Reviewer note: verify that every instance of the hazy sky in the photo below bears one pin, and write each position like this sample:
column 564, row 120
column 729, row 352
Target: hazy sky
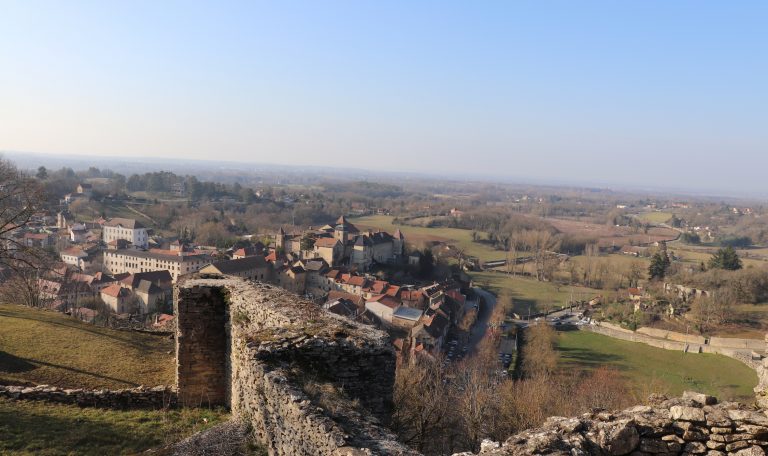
column 659, row 92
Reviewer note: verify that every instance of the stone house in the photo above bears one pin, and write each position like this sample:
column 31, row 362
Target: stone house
column 85, row 190
column 331, row 250
column 42, row 240
column 382, row 307
column 149, row 297
column 293, row 279
column 76, row 256
column 117, row 298
column 119, row 260
column 127, row 229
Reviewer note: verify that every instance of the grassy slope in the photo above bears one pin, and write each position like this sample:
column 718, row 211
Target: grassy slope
column 415, row 235
column 526, row 291
column 37, row 428
column 651, row 369
column 41, row 347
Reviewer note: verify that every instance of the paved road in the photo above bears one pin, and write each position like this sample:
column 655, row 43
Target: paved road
column 481, row 326
column 480, row 329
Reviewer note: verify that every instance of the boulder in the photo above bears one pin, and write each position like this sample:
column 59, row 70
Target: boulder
column 754, row 450
column 700, row 398
column 619, row 437
column 683, row 413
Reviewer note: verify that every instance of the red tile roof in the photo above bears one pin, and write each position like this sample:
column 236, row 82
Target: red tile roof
column 333, row 274
column 388, row 301
column 379, row 286
column 326, row 242
column 393, row 290
column 357, row 281
column 116, row 291
column 336, row 295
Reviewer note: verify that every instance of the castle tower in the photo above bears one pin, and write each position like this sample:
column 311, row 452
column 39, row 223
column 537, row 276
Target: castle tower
column 398, row 244
column 340, row 230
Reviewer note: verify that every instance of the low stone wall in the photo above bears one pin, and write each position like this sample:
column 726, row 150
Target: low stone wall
column 135, row 398
column 672, row 335
column 625, row 334
column 731, row 342
column 308, row 382
column 693, row 424
column 758, row 345
column 670, row 344
column 616, row 328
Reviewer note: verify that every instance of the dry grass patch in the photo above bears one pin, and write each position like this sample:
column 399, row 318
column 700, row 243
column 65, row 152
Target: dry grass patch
column 41, row 347
column 42, row 429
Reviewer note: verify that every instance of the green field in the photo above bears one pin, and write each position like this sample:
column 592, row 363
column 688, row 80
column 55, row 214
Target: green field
column 698, row 254
column 525, row 292
column 654, row 217
column 418, row 235
column 42, row 347
column 650, row 369
column 38, row 428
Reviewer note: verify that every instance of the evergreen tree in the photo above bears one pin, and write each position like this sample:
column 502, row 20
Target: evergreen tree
column 307, row 243
column 659, row 265
column 426, row 263
column 725, row 258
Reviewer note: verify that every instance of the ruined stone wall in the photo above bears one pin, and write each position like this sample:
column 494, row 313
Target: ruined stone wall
column 202, row 349
column 309, row 382
column 693, row 424
column 130, row 398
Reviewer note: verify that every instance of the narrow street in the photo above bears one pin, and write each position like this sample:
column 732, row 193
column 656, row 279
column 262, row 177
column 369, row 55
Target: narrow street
column 481, row 326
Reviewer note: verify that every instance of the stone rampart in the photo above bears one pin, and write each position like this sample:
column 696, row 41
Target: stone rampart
column 308, row 382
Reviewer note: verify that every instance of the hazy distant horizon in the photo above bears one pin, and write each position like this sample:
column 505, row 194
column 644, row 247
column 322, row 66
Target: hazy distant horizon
column 32, row 160
column 647, row 94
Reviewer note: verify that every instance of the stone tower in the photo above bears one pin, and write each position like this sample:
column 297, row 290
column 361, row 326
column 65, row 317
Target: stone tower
column 398, row 244
column 341, row 230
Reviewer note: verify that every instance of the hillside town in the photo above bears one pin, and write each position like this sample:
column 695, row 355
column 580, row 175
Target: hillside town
column 118, row 269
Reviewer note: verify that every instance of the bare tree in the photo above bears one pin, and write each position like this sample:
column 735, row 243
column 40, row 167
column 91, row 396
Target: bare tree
column 27, row 285
column 20, row 197
column 541, row 244
column 476, row 401
column 423, row 409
